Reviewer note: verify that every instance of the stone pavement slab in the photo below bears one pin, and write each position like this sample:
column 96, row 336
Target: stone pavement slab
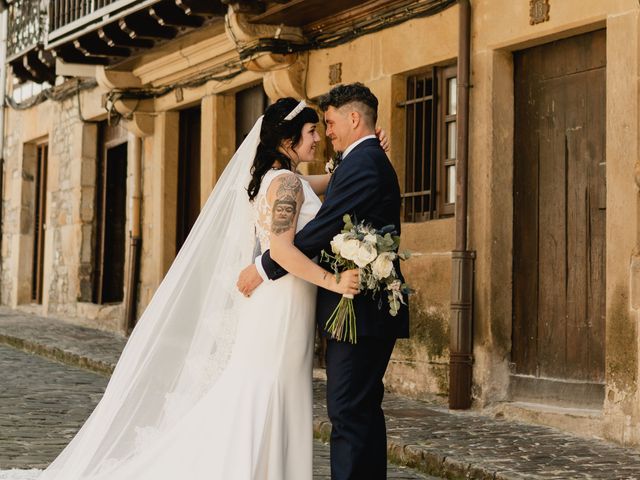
column 69, row 343
column 431, row 438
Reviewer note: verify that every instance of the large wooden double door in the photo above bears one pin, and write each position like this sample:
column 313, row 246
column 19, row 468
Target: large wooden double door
column 559, row 222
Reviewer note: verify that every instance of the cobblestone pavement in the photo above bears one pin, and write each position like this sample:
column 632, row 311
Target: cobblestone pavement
column 321, row 470
column 448, row 444
column 43, row 403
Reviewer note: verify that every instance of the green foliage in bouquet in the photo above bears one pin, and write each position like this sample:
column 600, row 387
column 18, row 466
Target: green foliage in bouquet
column 373, row 251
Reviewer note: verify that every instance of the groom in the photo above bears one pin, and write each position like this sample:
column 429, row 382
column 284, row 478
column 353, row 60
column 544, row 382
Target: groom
column 365, row 186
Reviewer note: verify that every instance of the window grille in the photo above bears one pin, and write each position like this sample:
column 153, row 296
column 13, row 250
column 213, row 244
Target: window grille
column 431, row 139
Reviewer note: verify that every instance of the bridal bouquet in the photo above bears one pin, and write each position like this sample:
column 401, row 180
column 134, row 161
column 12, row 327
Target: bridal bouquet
column 373, row 252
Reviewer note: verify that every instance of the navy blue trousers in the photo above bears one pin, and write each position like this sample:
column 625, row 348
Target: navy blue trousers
column 354, row 398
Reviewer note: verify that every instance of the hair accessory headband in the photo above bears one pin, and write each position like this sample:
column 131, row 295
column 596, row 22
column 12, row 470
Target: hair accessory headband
column 292, row 114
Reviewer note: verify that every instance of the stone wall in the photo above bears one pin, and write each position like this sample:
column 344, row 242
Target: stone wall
column 62, row 223
column 70, row 216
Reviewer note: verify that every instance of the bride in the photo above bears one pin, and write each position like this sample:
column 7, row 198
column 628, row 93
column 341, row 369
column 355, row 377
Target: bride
column 212, row 385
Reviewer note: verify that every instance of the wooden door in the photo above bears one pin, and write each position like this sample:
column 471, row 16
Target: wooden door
column 111, row 214
column 188, row 173
column 40, row 212
column 250, row 104
column 559, row 221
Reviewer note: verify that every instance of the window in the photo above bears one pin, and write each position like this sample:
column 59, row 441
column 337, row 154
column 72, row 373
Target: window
column 431, row 126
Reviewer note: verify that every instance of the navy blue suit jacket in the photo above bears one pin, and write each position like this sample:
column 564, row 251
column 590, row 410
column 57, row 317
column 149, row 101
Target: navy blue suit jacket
column 364, row 185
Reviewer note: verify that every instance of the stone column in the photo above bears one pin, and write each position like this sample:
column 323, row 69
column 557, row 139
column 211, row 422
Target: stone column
column 491, row 202
column 218, row 139
column 622, row 403
column 164, row 192
column 86, row 152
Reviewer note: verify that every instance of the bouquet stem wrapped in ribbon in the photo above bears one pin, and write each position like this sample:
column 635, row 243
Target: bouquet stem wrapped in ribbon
column 373, row 251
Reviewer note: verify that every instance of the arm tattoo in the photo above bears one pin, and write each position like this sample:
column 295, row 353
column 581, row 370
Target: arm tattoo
column 289, row 186
column 285, row 205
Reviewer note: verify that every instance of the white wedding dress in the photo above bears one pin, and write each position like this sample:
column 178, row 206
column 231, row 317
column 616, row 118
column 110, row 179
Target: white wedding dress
column 238, row 408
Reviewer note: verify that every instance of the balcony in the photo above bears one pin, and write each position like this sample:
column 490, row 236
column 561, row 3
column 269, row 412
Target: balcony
column 25, row 42
column 105, row 32
column 96, row 31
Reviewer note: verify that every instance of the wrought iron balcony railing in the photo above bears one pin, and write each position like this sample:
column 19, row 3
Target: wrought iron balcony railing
column 95, row 31
column 67, row 17
column 158, row 19
column 64, row 12
column 26, row 27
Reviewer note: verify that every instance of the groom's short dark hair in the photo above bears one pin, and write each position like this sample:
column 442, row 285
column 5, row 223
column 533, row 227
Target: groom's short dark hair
column 352, row 93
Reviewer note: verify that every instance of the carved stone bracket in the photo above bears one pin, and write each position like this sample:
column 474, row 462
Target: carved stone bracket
column 140, row 124
column 138, row 115
column 284, row 73
column 287, row 82
column 112, row 79
column 242, row 32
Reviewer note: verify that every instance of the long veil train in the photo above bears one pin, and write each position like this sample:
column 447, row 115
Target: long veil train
column 183, row 340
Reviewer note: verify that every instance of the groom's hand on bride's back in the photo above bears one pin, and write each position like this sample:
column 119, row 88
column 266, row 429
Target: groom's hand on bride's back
column 384, row 139
column 248, row 280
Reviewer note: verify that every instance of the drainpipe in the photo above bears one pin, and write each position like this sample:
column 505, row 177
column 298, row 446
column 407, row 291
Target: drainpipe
column 135, row 239
column 3, row 88
column 461, row 326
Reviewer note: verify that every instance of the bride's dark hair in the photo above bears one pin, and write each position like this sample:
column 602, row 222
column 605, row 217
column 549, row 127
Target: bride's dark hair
column 275, row 129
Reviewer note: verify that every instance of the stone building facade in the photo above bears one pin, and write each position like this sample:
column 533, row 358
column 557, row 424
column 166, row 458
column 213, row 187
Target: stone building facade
column 556, row 290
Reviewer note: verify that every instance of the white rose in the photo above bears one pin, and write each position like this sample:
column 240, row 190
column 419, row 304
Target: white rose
column 366, row 255
column 349, row 249
column 329, row 167
column 337, row 243
column 370, row 238
column 383, row 265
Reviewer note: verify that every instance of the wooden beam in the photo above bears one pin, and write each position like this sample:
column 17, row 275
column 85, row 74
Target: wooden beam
column 71, row 54
column 92, row 45
column 19, row 70
column 142, row 25
column 202, row 7
column 169, row 14
column 46, row 57
column 39, row 70
column 113, row 35
column 251, row 7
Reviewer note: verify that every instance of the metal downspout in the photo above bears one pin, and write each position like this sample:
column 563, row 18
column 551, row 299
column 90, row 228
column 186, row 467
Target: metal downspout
column 461, row 323
column 3, row 88
column 135, row 239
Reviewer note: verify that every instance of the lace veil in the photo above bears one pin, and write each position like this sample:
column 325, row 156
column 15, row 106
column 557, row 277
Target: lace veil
column 183, row 339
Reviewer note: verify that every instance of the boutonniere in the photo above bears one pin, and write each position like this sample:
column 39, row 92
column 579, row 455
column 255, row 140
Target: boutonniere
column 333, row 163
